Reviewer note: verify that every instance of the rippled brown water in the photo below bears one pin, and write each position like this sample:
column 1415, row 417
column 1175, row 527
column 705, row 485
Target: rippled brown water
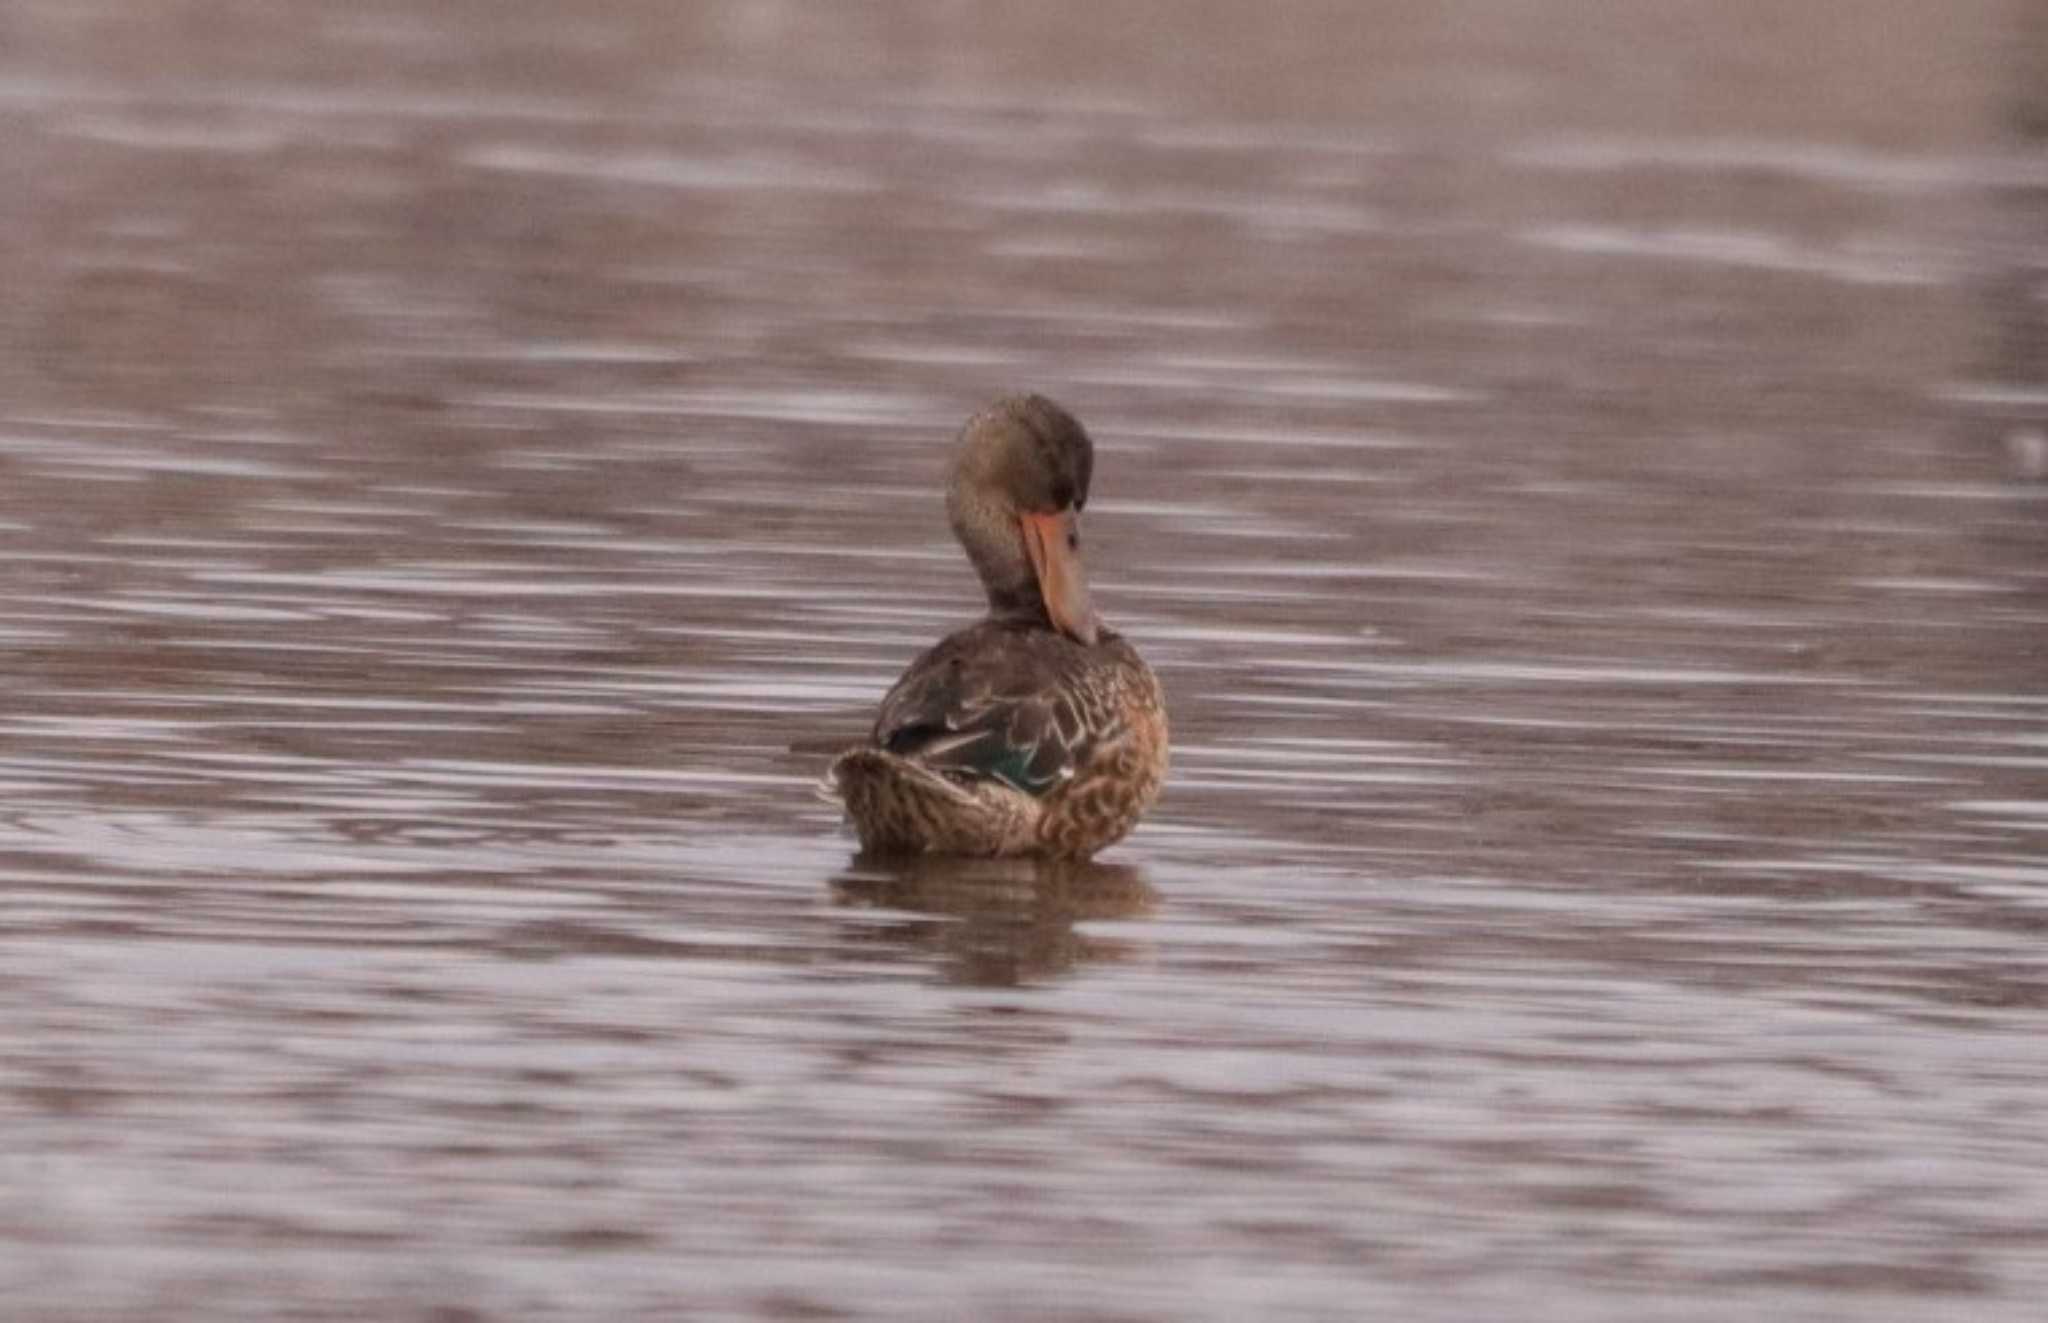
column 1571, row 465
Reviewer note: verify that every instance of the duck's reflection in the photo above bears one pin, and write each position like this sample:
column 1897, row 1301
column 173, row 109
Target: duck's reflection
column 998, row 922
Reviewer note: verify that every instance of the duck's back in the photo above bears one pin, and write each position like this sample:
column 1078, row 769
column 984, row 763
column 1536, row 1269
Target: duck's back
column 1065, row 743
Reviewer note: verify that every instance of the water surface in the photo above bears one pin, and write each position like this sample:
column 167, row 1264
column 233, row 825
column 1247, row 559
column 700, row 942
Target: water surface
column 1575, row 473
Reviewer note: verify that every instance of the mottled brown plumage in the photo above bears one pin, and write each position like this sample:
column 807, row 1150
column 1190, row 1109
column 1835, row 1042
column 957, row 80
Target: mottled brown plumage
column 1037, row 731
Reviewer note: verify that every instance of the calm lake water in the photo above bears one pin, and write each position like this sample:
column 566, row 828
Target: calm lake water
column 1577, row 468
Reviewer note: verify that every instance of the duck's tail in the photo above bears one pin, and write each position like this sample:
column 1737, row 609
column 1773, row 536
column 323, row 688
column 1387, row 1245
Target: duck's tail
column 900, row 806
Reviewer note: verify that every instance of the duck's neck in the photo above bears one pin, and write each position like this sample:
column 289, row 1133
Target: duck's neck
column 1020, row 610
column 996, row 547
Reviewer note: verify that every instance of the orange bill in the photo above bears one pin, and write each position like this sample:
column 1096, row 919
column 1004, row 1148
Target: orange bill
column 1053, row 541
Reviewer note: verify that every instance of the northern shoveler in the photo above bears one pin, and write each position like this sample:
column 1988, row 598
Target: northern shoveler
column 1038, row 731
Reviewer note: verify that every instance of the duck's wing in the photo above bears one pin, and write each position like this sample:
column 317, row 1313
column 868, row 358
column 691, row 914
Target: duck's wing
column 995, row 704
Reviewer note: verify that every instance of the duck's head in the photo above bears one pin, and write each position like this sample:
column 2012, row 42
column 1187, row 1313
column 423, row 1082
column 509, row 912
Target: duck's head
column 1019, row 482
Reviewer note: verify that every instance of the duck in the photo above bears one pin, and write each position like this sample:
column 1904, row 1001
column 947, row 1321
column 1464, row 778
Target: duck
column 1038, row 731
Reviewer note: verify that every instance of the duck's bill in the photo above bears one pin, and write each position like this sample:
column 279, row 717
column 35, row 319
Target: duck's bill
column 1053, row 542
